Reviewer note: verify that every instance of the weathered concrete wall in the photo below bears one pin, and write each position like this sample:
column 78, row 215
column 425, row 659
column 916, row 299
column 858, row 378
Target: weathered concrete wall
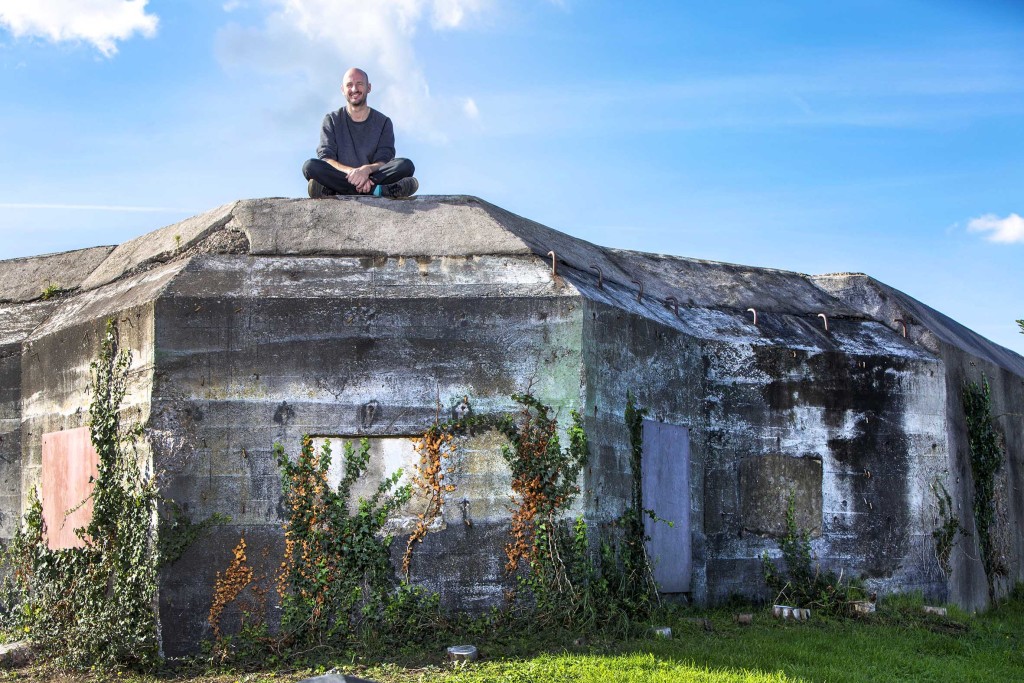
column 873, row 422
column 22, row 284
column 966, row 358
column 56, row 356
column 56, row 376
column 264, row 320
column 850, row 421
column 16, row 323
column 968, row 584
column 10, row 439
column 663, row 369
column 252, row 351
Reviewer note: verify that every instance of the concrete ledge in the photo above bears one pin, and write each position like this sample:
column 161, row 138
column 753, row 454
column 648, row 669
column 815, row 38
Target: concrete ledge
column 370, row 226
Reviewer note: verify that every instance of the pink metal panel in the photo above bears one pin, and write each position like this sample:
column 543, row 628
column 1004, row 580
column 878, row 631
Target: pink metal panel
column 69, row 460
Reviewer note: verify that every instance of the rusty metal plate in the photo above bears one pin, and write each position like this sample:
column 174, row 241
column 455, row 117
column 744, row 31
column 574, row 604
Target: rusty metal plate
column 69, row 462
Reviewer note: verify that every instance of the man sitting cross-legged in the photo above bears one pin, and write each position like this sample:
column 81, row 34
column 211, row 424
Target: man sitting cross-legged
column 357, row 150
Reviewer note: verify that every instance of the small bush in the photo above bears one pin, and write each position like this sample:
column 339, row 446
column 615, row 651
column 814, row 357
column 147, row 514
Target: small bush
column 803, row 583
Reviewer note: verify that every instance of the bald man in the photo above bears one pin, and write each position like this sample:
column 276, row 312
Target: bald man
column 357, row 150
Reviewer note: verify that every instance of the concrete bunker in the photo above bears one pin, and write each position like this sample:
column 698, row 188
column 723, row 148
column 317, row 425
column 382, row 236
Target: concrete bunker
column 265, row 320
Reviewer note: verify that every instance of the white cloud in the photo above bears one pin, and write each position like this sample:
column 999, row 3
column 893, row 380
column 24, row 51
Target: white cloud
column 451, row 13
column 1006, row 230
column 470, row 109
column 310, row 43
column 100, row 22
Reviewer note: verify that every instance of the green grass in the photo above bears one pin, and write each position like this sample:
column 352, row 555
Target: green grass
column 898, row 643
column 632, row 668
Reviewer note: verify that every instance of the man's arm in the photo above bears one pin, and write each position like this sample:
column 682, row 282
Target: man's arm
column 385, row 151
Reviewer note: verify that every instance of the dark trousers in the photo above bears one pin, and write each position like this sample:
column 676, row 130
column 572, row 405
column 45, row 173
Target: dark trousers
column 337, row 181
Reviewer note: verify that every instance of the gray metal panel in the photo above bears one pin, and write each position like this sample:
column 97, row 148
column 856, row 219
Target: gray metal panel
column 666, row 490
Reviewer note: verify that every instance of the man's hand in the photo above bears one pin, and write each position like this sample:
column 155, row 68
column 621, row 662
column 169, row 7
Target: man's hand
column 360, row 177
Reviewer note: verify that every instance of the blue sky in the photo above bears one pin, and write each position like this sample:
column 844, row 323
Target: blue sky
column 875, row 136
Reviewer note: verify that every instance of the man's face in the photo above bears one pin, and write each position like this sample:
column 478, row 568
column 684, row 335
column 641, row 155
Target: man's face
column 355, row 87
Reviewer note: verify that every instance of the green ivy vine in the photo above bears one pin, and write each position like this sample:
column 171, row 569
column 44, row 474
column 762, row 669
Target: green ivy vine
column 633, row 568
column 986, row 455
column 947, row 526
column 337, row 572
column 544, row 485
column 94, row 606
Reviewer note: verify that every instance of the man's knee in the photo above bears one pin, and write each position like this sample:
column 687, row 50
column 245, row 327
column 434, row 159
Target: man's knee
column 404, row 168
column 307, row 168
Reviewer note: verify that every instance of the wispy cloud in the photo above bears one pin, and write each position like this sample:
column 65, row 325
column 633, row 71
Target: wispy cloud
column 96, row 207
column 1004, row 230
column 900, row 90
column 452, row 13
column 310, row 43
column 99, row 22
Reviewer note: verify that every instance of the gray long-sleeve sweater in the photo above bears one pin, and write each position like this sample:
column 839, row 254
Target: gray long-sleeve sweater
column 357, row 143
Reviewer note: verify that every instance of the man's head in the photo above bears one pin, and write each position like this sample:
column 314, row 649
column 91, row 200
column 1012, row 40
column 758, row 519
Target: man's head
column 355, row 86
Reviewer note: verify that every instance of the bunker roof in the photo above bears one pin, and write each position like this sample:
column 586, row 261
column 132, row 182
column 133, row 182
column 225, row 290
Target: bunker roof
column 465, row 226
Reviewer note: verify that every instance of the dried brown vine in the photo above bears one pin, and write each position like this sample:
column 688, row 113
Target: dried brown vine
column 229, row 585
column 434, row 448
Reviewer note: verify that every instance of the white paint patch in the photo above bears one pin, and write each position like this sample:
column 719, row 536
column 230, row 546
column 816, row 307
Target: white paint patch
column 387, row 456
column 928, row 465
column 808, row 434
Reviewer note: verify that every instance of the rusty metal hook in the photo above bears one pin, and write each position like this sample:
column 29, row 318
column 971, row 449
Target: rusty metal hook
column 600, row 276
column 554, row 263
column 902, row 322
column 755, row 315
column 675, row 304
column 825, row 318
column 640, row 294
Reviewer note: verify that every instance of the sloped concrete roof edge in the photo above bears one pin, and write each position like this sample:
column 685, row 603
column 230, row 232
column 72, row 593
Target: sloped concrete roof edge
column 462, row 225
column 25, row 279
column 158, row 245
column 895, row 308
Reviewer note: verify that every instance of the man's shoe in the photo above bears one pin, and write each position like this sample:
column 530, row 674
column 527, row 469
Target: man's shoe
column 406, row 187
column 317, row 191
